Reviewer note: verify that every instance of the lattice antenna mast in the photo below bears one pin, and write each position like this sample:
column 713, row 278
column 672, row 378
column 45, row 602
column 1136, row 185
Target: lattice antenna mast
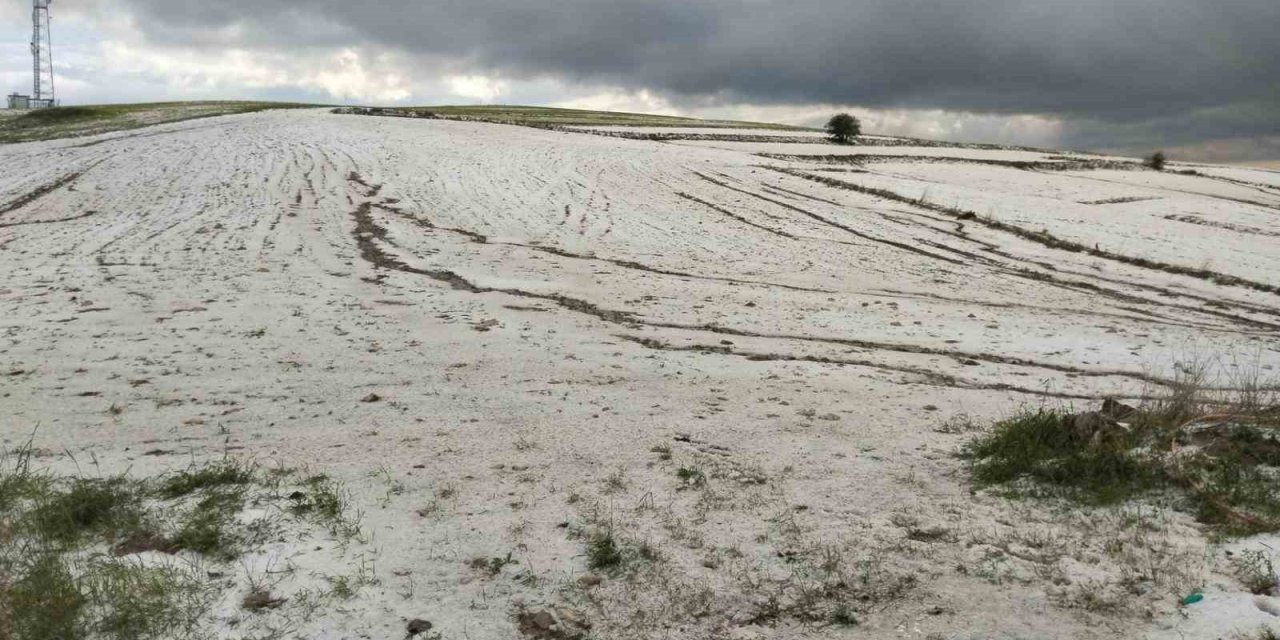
column 41, row 51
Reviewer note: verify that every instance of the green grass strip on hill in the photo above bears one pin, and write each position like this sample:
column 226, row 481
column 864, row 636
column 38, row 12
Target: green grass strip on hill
column 84, row 120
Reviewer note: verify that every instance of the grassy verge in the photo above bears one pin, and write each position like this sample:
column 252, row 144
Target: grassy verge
column 554, row 117
column 1217, row 457
column 73, row 121
column 122, row 558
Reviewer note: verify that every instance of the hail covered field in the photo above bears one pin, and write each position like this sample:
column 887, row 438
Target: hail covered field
column 750, row 355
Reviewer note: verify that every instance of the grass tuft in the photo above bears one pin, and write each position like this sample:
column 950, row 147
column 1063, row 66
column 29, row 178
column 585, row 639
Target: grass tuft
column 218, row 474
column 1041, row 446
column 63, row 515
column 209, row 527
column 603, row 551
column 1219, row 457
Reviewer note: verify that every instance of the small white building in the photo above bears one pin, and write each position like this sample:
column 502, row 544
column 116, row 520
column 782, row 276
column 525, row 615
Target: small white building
column 24, row 102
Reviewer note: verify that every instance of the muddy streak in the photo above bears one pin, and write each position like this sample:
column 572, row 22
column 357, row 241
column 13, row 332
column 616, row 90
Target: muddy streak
column 26, row 222
column 1045, row 239
column 930, row 377
column 626, row 264
column 827, row 221
column 735, row 216
column 41, row 191
column 1082, row 286
column 1065, row 164
column 1238, row 228
column 368, row 234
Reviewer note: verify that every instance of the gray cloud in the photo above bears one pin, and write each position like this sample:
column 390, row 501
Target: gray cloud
column 1120, row 72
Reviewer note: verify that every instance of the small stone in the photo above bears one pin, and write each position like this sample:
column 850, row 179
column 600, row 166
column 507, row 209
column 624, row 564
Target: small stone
column 417, row 626
column 372, row 397
column 543, row 620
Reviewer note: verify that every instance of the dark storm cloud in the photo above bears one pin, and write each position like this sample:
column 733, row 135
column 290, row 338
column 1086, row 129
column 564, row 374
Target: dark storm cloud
column 1124, row 65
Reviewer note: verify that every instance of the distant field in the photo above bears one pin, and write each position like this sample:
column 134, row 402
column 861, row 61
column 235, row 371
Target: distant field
column 579, row 117
column 74, row 121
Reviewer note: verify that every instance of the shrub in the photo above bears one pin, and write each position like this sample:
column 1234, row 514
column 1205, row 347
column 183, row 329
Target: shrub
column 843, row 128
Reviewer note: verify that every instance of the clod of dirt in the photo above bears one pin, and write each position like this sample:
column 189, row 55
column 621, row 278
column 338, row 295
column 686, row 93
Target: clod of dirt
column 140, row 541
column 1113, row 408
column 260, row 599
column 555, row 623
column 1095, row 427
column 372, row 397
column 417, row 626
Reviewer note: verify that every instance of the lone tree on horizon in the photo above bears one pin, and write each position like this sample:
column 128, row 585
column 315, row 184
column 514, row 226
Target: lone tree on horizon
column 1156, row 161
column 843, row 128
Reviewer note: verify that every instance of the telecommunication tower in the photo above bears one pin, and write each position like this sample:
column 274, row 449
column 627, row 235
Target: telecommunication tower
column 41, row 52
column 42, row 62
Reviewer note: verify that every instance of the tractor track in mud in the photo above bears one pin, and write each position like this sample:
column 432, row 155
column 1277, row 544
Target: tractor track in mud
column 1238, row 228
column 1145, row 316
column 563, row 253
column 1051, row 164
column 368, row 234
column 827, row 221
column 930, row 377
column 1070, row 285
column 43, row 190
column 723, row 211
column 68, row 219
column 862, row 159
column 1047, row 240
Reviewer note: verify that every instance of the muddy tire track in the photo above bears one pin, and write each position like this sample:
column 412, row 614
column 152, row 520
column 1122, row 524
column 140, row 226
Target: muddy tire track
column 368, row 236
column 726, row 212
column 563, row 253
column 55, row 220
column 929, row 376
column 831, row 223
column 1045, row 239
column 1238, row 228
column 43, row 190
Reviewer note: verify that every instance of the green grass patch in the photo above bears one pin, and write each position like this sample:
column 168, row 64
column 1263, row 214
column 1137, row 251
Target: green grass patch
column 552, row 116
column 63, row 513
column 209, row 529
column 91, row 558
column 81, row 120
column 218, row 474
column 603, row 551
column 1223, row 466
column 1040, row 446
column 324, row 501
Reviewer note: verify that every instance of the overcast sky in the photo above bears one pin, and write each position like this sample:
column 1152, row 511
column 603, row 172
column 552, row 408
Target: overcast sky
column 1198, row 77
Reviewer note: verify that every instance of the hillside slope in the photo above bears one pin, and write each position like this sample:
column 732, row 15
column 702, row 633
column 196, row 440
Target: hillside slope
column 751, row 361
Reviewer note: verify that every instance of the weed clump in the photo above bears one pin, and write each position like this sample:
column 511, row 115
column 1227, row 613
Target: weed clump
column 1219, row 458
column 1042, row 446
column 208, row 529
column 215, row 475
column 63, row 515
column 325, row 502
column 603, row 551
